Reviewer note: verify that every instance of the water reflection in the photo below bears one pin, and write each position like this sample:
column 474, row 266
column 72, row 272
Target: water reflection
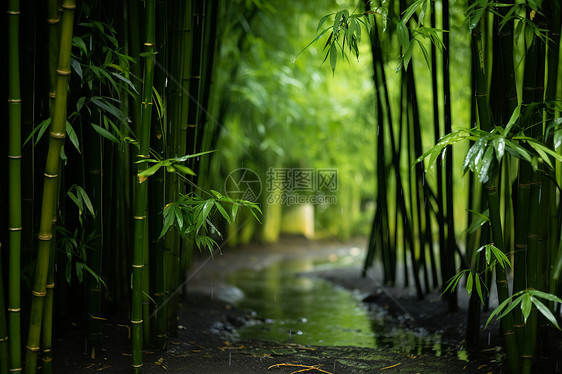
column 312, row 311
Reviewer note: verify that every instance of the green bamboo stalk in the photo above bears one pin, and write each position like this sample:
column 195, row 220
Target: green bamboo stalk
column 140, row 210
column 450, row 241
column 14, row 188
column 4, row 348
column 158, row 185
column 53, row 19
column 56, row 139
column 47, row 326
column 491, row 189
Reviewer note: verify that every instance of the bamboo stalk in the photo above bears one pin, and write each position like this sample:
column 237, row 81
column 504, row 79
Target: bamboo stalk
column 140, row 211
column 4, row 348
column 56, row 139
column 14, row 188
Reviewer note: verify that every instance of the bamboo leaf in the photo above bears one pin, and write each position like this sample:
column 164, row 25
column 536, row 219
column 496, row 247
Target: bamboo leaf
column 333, row 57
column 42, row 127
column 150, row 171
column 478, row 287
column 86, row 200
column 93, row 274
column 106, row 134
column 184, row 169
column 234, row 211
column 513, row 119
column 526, row 304
column 545, row 312
column 222, row 211
column 510, row 307
column 72, row 136
column 498, row 310
column 469, row 282
column 545, row 295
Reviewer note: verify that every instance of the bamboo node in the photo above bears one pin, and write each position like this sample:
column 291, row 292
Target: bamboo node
column 47, row 358
column 502, row 281
column 16, row 370
column 14, row 157
column 63, row 72
column 53, row 21
column 14, row 310
column 526, row 356
column 136, row 366
column 68, row 6
column 191, row 125
column 519, row 325
column 136, row 322
column 39, row 294
column 14, row 12
column 4, row 339
column 150, row 44
column 50, row 176
column 14, row 228
column 509, row 333
column 97, row 318
column 139, row 217
column 145, row 103
column 14, row 101
column 32, row 349
column 533, row 236
column 52, row 95
column 138, row 266
column 143, row 156
column 196, row 76
column 158, row 294
column 52, row 285
column 58, row 135
column 45, row 237
column 47, row 350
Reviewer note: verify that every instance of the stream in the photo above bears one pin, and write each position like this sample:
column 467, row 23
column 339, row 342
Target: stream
column 290, row 304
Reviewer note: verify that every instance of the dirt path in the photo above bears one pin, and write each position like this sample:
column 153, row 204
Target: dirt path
column 207, row 341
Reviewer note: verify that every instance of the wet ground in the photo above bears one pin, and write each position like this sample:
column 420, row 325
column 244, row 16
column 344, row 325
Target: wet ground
column 297, row 305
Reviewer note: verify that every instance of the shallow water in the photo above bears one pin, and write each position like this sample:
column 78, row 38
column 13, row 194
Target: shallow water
column 307, row 310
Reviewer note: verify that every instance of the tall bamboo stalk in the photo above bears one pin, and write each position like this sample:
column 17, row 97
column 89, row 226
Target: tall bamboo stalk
column 140, row 210
column 493, row 203
column 14, row 188
column 4, row 348
column 56, row 139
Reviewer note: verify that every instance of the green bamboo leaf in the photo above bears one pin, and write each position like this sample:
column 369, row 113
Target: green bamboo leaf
column 469, row 282
column 452, row 283
column 541, row 151
column 103, row 132
column 513, row 119
column 79, row 271
column 545, row 295
column 79, row 43
column 179, row 217
column 184, row 169
column 204, row 213
column 234, row 211
column 93, row 274
column 217, row 194
column 498, row 310
column 478, row 221
column 333, row 57
column 478, row 287
column 222, row 211
column 150, row 171
column 86, row 200
column 499, row 147
column 511, row 306
column 545, row 312
column 557, row 139
column 409, row 12
column 526, row 304
column 168, row 220
column 76, row 200
column 72, row 136
column 322, row 20
column 187, row 157
column 42, row 127
column 337, row 19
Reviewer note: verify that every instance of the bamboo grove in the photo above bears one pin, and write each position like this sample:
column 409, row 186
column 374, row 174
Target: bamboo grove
column 513, row 193
column 108, row 110
column 114, row 110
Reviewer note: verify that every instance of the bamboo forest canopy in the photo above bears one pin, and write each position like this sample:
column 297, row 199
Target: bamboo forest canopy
column 139, row 132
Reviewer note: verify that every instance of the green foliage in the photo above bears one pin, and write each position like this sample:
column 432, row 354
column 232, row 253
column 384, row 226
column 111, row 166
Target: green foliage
column 190, row 215
column 485, row 155
column 526, row 299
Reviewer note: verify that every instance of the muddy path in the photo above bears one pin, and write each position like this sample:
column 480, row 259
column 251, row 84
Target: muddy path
column 219, row 331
